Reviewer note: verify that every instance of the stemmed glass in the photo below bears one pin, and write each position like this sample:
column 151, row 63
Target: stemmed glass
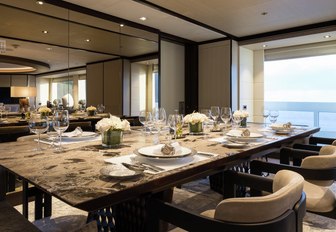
column 214, row 112
column 38, row 124
column 237, row 120
column 226, row 115
column 159, row 118
column 206, row 123
column 145, row 118
column 266, row 113
column 174, row 120
column 60, row 124
column 273, row 116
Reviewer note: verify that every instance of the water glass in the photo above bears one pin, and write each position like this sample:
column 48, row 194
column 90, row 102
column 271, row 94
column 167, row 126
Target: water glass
column 174, row 121
column 215, row 113
column 226, row 115
column 273, row 116
column 206, row 123
column 145, row 118
column 237, row 120
column 60, row 124
column 38, row 124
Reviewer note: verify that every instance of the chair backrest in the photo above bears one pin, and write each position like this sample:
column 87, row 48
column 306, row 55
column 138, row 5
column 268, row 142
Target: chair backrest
column 326, row 159
column 287, row 190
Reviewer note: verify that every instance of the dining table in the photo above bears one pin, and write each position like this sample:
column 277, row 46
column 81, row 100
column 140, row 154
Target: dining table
column 80, row 175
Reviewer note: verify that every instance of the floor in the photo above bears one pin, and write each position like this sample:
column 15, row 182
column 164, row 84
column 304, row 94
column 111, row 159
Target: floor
column 197, row 196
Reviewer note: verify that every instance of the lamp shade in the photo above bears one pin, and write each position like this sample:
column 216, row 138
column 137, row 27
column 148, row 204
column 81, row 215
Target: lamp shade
column 19, row 91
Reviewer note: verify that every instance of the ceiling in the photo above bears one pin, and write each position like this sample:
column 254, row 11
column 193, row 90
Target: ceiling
column 215, row 19
column 251, row 22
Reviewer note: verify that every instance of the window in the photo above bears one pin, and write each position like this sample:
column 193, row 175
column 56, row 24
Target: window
column 302, row 89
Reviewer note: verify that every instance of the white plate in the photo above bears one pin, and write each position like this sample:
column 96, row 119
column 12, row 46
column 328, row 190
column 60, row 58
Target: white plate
column 237, row 137
column 85, row 135
column 283, row 132
column 151, row 152
column 118, row 171
column 235, row 145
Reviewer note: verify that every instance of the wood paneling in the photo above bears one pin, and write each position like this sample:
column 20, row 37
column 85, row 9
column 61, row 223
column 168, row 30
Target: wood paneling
column 94, row 84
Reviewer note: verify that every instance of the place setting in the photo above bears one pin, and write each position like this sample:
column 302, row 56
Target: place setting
column 159, row 158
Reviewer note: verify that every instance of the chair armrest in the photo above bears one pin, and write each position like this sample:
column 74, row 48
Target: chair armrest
column 322, row 140
column 232, row 178
column 296, row 154
column 309, row 147
column 257, row 167
column 160, row 210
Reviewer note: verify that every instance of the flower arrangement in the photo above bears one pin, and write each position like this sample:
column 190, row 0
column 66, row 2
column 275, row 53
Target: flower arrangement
column 91, row 108
column 112, row 123
column 241, row 113
column 44, row 110
column 195, row 118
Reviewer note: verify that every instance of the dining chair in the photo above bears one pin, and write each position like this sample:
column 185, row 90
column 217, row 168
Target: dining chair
column 282, row 210
column 85, row 126
column 318, row 169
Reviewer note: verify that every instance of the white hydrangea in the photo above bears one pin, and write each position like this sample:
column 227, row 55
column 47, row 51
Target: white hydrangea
column 91, row 108
column 44, row 109
column 195, row 117
column 241, row 113
column 113, row 123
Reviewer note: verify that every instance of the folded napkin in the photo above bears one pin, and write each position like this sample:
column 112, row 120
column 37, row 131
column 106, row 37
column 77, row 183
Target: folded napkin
column 175, row 145
column 234, row 132
column 75, row 133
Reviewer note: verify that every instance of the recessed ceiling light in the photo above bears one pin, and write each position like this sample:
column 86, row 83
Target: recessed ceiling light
column 327, row 36
column 87, row 40
column 264, row 46
column 49, row 49
column 143, row 18
column 40, row 2
column 121, row 25
column 264, row 13
column 45, row 32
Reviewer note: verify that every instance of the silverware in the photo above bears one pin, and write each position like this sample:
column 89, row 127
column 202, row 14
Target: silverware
column 207, row 154
column 151, row 166
column 134, row 167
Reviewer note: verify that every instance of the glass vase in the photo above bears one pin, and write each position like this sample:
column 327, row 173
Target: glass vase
column 111, row 138
column 91, row 112
column 243, row 123
column 196, row 129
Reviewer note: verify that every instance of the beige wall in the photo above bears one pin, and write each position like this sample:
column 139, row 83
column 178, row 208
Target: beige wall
column 171, row 76
column 246, row 82
column 138, row 88
column 214, row 74
column 94, row 84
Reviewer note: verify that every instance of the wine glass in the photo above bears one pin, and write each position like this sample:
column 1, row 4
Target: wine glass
column 266, row 113
column 145, row 118
column 273, row 116
column 226, row 115
column 214, row 112
column 38, row 124
column 208, row 122
column 159, row 118
column 174, row 120
column 237, row 120
column 60, row 124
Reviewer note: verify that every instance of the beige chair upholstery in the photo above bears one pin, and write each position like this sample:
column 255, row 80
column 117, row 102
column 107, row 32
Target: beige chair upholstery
column 320, row 198
column 287, row 190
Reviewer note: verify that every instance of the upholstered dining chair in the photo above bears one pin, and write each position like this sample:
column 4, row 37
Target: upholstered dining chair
column 319, row 171
column 282, row 210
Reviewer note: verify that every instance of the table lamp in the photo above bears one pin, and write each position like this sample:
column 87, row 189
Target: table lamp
column 25, row 93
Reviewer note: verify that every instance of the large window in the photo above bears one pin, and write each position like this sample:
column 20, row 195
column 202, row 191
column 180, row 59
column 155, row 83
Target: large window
column 303, row 90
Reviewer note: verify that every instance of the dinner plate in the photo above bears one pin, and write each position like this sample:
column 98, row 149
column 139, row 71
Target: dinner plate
column 153, row 152
column 284, row 131
column 85, row 135
column 235, row 145
column 119, row 172
column 237, row 137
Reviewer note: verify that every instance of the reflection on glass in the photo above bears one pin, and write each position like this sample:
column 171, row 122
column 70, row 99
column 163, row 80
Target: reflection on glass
column 38, row 124
column 60, row 124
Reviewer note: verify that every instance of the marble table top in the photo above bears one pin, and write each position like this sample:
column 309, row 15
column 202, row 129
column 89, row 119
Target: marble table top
column 74, row 176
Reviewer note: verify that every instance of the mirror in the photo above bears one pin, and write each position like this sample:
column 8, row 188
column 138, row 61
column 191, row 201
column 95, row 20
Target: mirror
column 65, row 41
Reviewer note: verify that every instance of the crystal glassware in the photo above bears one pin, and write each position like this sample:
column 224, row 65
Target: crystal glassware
column 273, row 116
column 38, row 124
column 266, row 113
column 215, row 112
column 226, row 115
column 60, row 124
column 207, row 123
column 145, row 118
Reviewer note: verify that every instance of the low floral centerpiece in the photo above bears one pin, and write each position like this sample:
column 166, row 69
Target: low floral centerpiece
column 243, row 114
column 91, row 110
column 195, row 122
column 44, row 111
column 111, row 130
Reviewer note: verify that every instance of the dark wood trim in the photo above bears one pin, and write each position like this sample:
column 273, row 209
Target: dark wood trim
column 191, row 78
column 175, row 39
column 154, row 55
column 185, row 18
column 213, row 41
column 98, row 14
column 60, row 71
column 288, row 30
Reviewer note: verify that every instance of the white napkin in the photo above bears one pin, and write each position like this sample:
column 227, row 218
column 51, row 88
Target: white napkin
column 237, row 133
column 176, row 145
column 75, row 133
